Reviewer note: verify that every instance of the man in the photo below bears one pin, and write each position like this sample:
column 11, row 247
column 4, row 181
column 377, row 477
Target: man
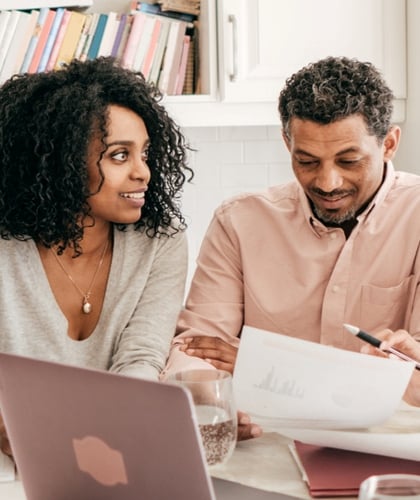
column 340, row 244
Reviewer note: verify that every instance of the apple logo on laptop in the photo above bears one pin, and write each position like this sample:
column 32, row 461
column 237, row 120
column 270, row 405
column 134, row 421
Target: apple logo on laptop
column 99, row 460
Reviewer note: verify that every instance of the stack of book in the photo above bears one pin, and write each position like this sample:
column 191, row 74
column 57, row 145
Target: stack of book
column 148, row 39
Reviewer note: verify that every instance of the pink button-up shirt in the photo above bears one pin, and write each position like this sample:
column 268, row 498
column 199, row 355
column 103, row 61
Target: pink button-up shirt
column 268, row 263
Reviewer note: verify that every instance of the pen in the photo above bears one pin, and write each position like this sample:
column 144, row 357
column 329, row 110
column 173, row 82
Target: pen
column 370, row 339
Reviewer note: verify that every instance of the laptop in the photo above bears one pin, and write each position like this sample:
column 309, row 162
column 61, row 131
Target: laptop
column 85, row 434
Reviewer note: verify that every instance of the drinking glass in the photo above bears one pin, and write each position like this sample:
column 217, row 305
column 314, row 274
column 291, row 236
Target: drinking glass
column 212, row 395
column 390, row 486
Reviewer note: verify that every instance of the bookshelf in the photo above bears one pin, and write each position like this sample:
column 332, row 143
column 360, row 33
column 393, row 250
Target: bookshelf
column 102, row 11
column 36, row 4
column 249, row 98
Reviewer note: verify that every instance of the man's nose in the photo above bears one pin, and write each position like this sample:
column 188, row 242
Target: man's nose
column 329, row 178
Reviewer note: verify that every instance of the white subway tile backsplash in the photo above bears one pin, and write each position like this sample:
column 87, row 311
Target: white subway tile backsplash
column 246, row 175
column 216, row 153
column 264, row 151
column 275, row 133
column 243, row 134
column 229, row 161
column 196, row 135
column 280, row 173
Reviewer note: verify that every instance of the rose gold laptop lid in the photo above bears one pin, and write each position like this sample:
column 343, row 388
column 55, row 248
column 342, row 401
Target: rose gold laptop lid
column 86, row 434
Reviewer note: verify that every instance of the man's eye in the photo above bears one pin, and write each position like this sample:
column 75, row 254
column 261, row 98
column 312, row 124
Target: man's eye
column 349, row 161
column 307, row 163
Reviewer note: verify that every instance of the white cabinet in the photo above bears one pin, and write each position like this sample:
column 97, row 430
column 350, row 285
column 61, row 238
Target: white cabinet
column 249, row 47
column 262, row 42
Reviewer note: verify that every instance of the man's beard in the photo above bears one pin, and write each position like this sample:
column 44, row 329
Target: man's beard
column 330, row 217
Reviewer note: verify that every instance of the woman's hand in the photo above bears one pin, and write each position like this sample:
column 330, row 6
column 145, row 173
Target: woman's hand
column 404, row 342
column 246, row 429
column 214, row 350
column 4, row 441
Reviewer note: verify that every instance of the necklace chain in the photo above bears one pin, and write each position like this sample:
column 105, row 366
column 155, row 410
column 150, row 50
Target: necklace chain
column 86, row 305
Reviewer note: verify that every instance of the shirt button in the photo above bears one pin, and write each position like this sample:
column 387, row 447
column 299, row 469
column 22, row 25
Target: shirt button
column 335, row 288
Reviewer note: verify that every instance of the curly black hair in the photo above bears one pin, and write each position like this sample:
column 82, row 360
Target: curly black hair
column 334, row 88
column 47, row 121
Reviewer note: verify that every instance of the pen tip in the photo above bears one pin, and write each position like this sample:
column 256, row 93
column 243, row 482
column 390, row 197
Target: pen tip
column 352, row 329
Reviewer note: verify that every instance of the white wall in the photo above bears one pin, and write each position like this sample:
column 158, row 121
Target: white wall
column 408, row 152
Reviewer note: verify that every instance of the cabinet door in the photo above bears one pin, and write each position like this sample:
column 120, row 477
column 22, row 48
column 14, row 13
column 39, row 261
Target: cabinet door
column 262, row 42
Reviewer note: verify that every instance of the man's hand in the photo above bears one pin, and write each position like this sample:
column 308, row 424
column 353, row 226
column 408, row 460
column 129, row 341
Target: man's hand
column 214, row 350
column 4, row 441
column 404, row 342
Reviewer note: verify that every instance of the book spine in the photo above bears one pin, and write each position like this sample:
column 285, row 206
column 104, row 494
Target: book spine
column 89, row 37
column 8, row 36
column 83, row 36
column 148, row 58
column 122, row 20
column 15, row 47
column 143, row 43
column 51, row 39
column 189, row 77
column 124, row 38
column 133, row 40
column 179, row 84
column 29, row 28
column 172, row 56
column 70, row 40
column 40, row 46
column 156, row 9
column 59, row 40
column 159, row 54
column 97, row 37
column 34, row 40
column 4, row 19
column 108, row 37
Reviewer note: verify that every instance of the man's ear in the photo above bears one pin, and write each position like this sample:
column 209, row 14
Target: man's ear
column 286, row 140
column 391, row 142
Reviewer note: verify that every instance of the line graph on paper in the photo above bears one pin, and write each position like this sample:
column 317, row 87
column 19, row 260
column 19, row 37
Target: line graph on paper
column 276, row 385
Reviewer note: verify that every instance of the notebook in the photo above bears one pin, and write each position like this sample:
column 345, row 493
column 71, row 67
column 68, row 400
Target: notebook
column 89, row 434
column 332, row 472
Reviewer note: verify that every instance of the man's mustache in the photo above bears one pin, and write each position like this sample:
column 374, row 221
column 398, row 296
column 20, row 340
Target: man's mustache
column 330, row 194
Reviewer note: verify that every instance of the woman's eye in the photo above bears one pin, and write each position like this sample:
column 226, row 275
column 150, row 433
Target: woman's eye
column 145, row 155
column 120, row 156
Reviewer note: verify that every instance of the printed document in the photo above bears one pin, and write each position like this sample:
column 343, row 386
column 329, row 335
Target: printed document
column 326, row 396
column 281, row 381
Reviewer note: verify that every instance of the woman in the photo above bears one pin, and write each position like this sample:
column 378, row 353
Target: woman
column 93, row 252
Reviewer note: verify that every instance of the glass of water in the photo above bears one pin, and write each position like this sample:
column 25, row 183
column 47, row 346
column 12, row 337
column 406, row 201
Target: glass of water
column 390, row 487
column 212, row 394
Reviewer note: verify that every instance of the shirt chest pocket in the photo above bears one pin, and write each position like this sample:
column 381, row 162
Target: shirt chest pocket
column 386, row 307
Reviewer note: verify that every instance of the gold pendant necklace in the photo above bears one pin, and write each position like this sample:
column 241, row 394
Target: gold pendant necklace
column 86, row 305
